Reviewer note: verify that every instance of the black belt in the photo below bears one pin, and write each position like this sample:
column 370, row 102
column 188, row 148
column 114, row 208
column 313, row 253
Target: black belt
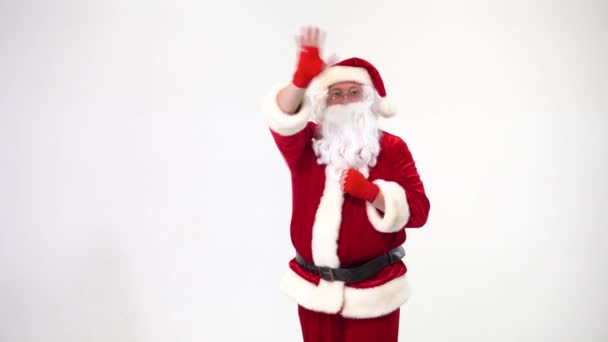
column 354, row 274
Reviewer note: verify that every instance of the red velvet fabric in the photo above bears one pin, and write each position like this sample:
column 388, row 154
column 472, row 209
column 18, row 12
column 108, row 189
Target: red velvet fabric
column 358, row 240
column 320, row 327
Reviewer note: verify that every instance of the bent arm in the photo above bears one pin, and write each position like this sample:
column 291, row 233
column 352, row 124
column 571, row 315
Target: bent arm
column 402, row 198
column 289, row 98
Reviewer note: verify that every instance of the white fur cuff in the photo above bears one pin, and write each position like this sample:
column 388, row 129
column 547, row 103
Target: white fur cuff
column 283, row 123
column 396, row 208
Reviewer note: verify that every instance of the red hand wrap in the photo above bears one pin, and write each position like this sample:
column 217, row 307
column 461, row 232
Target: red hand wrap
column 357, row 186
column 310, row 65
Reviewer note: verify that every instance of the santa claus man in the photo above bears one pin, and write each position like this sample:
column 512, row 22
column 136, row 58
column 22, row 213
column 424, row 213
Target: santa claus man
column 355, row 188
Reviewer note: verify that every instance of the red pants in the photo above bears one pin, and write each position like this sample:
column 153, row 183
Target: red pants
column 321, row 327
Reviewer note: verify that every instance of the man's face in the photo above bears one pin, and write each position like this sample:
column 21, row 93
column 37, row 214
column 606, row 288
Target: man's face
column 344, row 92
column 349, row 134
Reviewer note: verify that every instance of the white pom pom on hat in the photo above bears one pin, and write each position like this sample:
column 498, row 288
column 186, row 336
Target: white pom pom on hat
column 361, row 71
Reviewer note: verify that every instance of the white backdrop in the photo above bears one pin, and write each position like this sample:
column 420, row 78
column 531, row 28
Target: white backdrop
column 138, row 178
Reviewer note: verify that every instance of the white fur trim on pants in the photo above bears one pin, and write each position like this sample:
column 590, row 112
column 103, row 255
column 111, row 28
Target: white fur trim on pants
column 284, row 123
column 396, row 208
column 330, row 297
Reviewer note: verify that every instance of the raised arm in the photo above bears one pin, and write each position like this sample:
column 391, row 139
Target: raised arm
column 286, row 109
column 310, row 64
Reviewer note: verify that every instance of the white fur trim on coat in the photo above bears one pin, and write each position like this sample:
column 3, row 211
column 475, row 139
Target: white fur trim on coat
column 375, row 301
column 326, row 297
column 330, row 297
column 396, row 208
column 326, row 228
column 284, row 123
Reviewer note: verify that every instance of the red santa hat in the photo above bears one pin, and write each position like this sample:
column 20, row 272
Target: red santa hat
column 361, row 71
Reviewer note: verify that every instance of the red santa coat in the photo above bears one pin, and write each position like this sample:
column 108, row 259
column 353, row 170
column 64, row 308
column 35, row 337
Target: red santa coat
column 332, row 229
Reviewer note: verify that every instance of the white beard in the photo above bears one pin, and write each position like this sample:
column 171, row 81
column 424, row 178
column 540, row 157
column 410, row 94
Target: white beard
column 350, row 137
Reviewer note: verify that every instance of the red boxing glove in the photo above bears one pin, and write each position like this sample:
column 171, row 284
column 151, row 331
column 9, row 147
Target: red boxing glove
column 357, row 186
column 310, row 65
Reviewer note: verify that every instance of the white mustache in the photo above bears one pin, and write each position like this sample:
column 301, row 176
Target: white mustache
column 349, row 137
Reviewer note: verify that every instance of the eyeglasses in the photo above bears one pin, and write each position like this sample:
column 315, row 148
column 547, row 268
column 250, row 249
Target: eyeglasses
column 338, row 96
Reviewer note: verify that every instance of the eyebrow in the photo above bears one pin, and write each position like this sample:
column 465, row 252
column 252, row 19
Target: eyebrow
column 349, row 89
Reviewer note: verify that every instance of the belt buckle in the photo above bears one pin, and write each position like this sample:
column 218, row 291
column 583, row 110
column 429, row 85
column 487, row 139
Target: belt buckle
column 326, row 273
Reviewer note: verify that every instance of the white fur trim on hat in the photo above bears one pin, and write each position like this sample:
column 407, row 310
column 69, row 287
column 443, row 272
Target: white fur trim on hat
column 396, row 208
column 284, row 123
column 335, row 74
